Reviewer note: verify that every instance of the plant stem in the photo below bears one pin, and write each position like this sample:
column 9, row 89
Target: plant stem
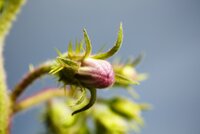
column 38, row 98
column 12, row 8
column 4, row 100
column 29, row 78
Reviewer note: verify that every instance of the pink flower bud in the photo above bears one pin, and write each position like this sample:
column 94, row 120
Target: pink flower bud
column 95, row 73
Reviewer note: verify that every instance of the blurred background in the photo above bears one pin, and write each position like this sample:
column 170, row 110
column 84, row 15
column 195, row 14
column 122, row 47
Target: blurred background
column 167, row 31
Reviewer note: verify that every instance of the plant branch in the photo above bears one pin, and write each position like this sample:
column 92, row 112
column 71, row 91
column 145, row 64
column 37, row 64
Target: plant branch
column 4, row 100
column 8, row 15
column 29, row 78
column 9, row 10
column 38, row 98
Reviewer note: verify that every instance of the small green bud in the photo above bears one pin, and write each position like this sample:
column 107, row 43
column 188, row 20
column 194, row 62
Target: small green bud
column 130, row 72
column 59, row 114
column 126, row 75
column 108, row 122
column 59, row 120
column 127, row 108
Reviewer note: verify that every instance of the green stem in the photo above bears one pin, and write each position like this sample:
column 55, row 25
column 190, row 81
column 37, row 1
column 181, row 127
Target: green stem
column 4, row 100
column 11, row 9
column 38, row 98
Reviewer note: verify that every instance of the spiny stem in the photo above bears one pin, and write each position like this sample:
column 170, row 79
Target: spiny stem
column 29, row 78
column 38, row 98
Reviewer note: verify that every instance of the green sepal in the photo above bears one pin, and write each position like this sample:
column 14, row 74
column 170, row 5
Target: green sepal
column 79, row 47
column 122, row 80
column 113, row 50
column 137, row 60
column 58, row 52
column 61, row 63
column 133, row 93
column 145, row 106
column 67, row 62
column 102, row 48
column 87, row 43
column 90, row 103
column 81, row 98
column 70, row 50
column 56, row 69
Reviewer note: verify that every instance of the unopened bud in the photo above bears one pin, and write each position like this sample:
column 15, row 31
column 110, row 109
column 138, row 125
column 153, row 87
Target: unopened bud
column 95, row 73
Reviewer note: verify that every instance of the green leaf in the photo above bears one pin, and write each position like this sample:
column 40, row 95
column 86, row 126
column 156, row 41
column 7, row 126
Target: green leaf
column 87, row 43
column 113, row 50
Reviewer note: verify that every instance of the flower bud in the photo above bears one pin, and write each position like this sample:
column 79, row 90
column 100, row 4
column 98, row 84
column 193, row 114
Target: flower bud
column 95, row 73
column 130, row 73
column 127, row 108
column 108, row 122
column 59, row 114
column 58, row 119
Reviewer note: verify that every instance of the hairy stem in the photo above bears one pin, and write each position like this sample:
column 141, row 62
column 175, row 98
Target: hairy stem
column 4, row 100
column 38, row 98
column 8, row 15
column 29, row 78
column 9, row 10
